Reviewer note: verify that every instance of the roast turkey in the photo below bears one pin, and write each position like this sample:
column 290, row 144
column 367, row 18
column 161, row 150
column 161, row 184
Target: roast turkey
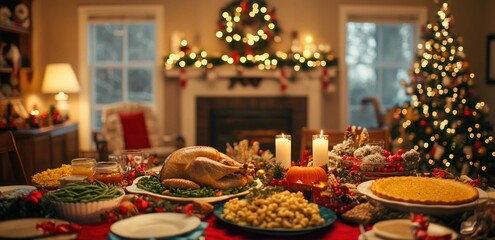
column 205, row 166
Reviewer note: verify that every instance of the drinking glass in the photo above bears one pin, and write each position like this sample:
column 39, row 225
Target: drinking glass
column 118, row 158
column 133, row 158
column 83, row 166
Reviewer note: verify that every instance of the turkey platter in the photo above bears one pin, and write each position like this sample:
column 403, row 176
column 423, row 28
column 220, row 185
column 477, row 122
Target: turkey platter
column 196, row 166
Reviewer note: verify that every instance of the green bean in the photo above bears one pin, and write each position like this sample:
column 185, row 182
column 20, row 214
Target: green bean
column 85, row 192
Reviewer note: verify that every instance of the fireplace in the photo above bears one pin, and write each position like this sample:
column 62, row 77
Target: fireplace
column 221, row 120
column 299, row 105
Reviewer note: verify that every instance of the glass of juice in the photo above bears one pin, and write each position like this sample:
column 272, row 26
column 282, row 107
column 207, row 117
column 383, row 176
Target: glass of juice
column 83, row 166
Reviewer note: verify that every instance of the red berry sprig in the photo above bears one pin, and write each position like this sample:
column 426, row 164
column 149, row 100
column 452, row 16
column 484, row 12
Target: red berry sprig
column 278, row 182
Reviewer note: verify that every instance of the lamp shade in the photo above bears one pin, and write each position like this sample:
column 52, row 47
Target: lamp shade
column 59, row 77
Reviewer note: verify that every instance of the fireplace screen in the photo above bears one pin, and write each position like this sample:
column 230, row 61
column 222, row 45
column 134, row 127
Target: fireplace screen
column 228, row 120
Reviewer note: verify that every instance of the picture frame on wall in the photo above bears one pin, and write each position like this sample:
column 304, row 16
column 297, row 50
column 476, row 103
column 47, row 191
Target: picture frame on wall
column 490, row 59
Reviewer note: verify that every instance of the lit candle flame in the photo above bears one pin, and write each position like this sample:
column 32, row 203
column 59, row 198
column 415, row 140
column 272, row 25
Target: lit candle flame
column 321, row 133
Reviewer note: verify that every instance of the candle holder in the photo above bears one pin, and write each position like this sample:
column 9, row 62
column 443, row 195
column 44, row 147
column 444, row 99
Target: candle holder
column 306, row 189
column 318, row 197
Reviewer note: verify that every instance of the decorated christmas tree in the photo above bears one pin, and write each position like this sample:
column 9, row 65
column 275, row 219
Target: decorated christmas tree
column 445, row 121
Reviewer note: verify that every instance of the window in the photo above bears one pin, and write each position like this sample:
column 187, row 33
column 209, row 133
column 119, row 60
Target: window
column 122, row 58
column 119, row 61
column 379, row 44
column 378, row 58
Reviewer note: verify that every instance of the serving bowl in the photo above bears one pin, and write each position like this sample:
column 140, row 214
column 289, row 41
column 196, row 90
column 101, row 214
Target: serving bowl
column 86, row 212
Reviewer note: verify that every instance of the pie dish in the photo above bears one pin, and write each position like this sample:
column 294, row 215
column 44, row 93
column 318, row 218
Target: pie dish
column 424, row 190
column 430, row 209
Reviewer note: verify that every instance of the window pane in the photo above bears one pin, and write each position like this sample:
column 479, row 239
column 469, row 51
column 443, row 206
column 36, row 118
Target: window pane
column 108, row 42
column 393, row 92
column 363, row 83
column 141, row 42
column 108, row 85
column 139, row 85
column 97, row 119
column 361, row 43
column 364, row 116
column 396, row 49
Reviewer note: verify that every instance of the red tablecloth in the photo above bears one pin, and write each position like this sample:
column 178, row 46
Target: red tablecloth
column 218, row 230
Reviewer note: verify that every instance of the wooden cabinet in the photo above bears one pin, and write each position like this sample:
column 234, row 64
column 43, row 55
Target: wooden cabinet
column 15, row 46
column 48, row 147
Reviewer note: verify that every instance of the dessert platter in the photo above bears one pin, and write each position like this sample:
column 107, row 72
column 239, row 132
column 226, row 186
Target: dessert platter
column 432, row 196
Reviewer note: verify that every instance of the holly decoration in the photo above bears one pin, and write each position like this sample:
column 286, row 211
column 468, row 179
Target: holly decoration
column 336, row 197
column 248, row 26
column 141, row 204
column 50, row 227
column 33, row 204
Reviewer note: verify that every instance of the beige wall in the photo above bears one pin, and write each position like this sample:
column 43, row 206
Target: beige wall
column 56, row 40
column 486, row 91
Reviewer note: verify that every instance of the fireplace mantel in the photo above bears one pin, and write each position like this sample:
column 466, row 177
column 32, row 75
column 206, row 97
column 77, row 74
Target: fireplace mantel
column 216, row 83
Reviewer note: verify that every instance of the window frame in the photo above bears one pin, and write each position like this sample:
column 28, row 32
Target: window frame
column 363, row 13
column 85, row 13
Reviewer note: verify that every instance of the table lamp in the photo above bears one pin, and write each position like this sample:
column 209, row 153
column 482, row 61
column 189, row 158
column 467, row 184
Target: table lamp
column 60, row 78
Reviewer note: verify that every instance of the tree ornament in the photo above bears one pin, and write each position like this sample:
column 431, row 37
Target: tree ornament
column 428, row 130
column 412, row 114
column 467, row 112
column 467, row 150
column 481, row 151
column 446, row 81
column 477, row 144
column 437, row 151
column 422, row 122
column 261, row 173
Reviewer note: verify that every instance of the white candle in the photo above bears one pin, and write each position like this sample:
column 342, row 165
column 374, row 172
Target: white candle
column 320, row 149
column 282, row 150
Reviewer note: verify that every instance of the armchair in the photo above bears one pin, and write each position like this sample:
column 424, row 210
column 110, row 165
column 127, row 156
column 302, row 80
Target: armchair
column 133, row 126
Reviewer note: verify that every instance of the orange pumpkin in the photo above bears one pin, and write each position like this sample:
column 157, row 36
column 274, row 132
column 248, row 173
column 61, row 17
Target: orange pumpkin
column 307, row 175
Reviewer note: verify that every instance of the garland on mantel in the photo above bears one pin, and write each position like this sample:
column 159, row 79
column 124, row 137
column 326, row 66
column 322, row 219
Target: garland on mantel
column 235, row 26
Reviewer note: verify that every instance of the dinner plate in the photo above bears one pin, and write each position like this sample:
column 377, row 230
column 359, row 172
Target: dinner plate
column 400, row 229
column 134, row 189
column 155, row 225
column 15, row 190
column 437, row 210
column 325, row 213
column 26, row 228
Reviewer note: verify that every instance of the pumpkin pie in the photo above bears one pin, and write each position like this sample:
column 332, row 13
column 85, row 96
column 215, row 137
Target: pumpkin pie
column 424, row 190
